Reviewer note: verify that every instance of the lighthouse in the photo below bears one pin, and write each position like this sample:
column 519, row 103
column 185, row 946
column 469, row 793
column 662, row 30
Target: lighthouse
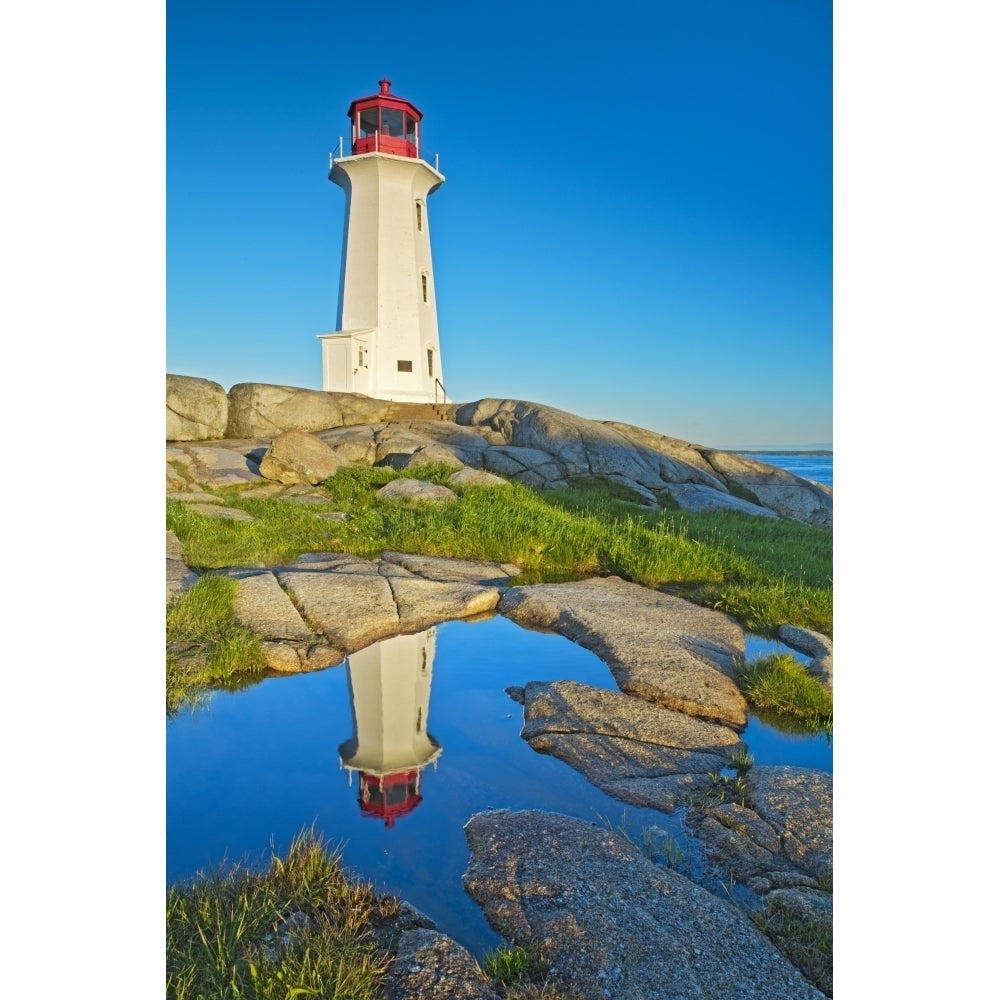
column 386, row 344
column 390, row 684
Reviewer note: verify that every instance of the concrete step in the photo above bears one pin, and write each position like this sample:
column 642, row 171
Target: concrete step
column 417, row 411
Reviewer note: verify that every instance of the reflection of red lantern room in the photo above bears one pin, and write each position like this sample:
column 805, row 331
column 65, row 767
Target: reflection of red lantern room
column 387, row 796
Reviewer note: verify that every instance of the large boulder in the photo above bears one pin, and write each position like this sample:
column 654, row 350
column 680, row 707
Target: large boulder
column 197, row 409
column 475, row 477
column 432, row 966
column 257, row 409
column 637, row 752
column 690, row 496
column 420, row 442
column 416, row 490
column 612, row 923
column 299, row 457
column 355, row 444
column 215, row 466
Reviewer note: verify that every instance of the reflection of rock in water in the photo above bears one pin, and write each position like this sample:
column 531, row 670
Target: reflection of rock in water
column 390, row 685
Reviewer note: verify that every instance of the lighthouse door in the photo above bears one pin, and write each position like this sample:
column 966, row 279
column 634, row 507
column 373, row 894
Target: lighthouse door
column 338, row 370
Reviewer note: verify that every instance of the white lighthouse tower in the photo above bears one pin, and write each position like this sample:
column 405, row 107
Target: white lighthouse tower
column 386, row 344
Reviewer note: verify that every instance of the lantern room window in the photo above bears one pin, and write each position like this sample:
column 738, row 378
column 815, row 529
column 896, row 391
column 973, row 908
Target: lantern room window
column 368, row 122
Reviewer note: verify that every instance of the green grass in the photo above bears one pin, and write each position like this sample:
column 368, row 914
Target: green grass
column 511, row 964
column 520, row 972
column 299, row 928
column 805, row 943
column 283, row 532
column 211, row 649
column 779, row 686
column 723, row 788
column 764, row 572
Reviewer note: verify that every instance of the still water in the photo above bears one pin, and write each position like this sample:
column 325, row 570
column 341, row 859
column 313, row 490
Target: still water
column 817, row 467
column 389, row 754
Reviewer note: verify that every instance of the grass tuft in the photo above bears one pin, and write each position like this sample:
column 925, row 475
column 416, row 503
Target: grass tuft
column 779, row 685
column 807, row 944
column 511, row 964
column 521, row 972
column 217, row 650
column 295, row 929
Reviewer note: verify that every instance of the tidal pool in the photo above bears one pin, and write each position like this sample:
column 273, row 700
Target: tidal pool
column 389, row 754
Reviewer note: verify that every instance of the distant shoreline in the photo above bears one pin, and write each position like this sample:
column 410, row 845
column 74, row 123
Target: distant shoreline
column 773, row 451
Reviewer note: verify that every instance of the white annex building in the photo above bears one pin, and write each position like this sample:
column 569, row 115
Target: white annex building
column 387, row 342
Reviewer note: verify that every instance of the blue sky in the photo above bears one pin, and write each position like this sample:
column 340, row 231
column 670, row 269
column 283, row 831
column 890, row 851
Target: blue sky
column 636, row 223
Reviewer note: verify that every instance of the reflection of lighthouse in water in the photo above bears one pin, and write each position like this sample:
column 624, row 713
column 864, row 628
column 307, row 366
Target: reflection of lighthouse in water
column 390, row 685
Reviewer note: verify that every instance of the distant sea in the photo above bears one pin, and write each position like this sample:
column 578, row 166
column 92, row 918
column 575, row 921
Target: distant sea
column 814, row 465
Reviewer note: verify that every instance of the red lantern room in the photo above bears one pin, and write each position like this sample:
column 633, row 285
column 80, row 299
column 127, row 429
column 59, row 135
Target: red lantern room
column 384, row 123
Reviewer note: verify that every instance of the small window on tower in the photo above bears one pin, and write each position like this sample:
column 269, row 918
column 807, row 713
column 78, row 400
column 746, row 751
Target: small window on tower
column 423, row 282
column 430, row 361
column 420, row 216
column 404, row 366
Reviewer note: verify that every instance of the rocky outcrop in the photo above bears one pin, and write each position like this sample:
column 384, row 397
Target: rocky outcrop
column 354, row 602
column 197, row 409
column 613, row 923
column 778, row 490
column 431, row 966
column 446, row 570
column 782, row 838
column 312, row 614
column 577, row 446
column 659, row 648
column 298, row 457
column 637, row 752
column 689, row 496
column 264, row 608
column 522, row 442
